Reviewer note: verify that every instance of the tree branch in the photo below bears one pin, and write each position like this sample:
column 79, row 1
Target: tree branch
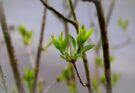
column 105, row 45
column 39, row 51
column 57, row 13
column 3, row 79
column 10, row 50
column 78, row 75
column 85, row 60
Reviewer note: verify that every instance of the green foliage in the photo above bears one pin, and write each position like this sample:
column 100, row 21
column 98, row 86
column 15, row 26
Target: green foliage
column 65, row 75
column 99, row 60
column 122, row 23
column 95, row 85
column 47, row 45
column 115, row 77
column 26, row 34
column 72, row 87
column 78, row 44
column 83, row 35
column 28, row 77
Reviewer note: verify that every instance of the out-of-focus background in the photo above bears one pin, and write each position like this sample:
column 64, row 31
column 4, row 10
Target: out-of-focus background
column 29, row 12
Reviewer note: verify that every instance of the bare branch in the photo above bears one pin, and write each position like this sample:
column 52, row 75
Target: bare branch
column 10, row 50
column 57, row 13
column 78, row 75
column 3, row 79
column 37, row 65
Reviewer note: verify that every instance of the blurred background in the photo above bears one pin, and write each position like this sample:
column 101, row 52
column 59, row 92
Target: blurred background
column 29, row 13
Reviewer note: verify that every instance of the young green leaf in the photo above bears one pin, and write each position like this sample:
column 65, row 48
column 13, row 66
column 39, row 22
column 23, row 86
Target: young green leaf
column 47, row 45
column 22, row 30
column 64, row 43
column 86, row 48
column 72, row 41
column 80, row 37
column 63, row 57
column 56, row 42
column 87, row 34
column 61, row 37
column 115, row 78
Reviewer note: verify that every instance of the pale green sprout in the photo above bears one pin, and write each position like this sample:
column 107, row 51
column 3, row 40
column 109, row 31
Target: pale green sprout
column 78, row 44
column 26, row 34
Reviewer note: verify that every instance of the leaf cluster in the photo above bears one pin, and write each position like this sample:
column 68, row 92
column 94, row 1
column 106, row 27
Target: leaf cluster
column 26, row 34
column 28, row 77
column 122, row 23
column 77, row 48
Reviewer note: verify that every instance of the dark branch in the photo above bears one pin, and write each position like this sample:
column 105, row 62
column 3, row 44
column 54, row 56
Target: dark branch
column 57, row 13
column 83, row 84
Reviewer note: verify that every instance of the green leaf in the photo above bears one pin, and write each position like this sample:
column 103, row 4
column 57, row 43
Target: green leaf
column 22, row 30
column 47, row 45
column 86, row 48
column 63, row 56
column 61, row 37
column 95, row 85
column 72, row 41
column 72, row 86
column 102, row 79
column 87, row 34
column 26, row 35
column 56, row 43
column 115, row 78
column 99, row 61
column 80, row 37
column 64, row 43
column 28, row 77
column 122, row 23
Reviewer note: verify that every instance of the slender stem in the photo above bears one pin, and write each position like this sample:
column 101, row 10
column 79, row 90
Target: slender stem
column 87, row 71
column 3, row 79
column 105, row 45
column 111, row 8
column 72, row 11
column 50, row 86
column 57, row 13
column 31, row 58
column 10, row 50
column 39, row 50
column 85, row 60
column 78, row 75
column 74, row 6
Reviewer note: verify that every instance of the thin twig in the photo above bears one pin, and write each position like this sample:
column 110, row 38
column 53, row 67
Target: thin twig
column 10, row 50
column 111, row 8
column 30, row 55
column 57, row 13
column 85, row 60
column 75, row 5
column 78, row 75
column 39, row 50
column 50, row 86
column 3, row 79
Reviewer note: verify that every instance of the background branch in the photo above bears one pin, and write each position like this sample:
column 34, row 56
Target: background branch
column 3, row 79
column 10, row 50
column 105, row 45
column 39, row 50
